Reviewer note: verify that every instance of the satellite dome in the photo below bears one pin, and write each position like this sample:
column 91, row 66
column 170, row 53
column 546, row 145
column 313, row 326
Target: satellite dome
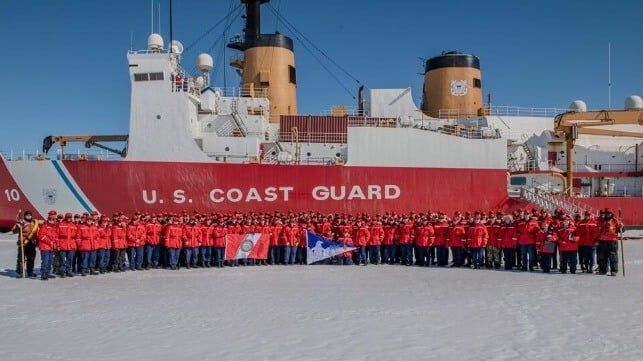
column 633, row 102
column 199, row 82
column 177, row 47
column 155, row 42
column 204, row 62
column 578, row 106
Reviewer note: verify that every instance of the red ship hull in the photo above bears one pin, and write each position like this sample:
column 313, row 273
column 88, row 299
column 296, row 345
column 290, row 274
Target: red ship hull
column 123, row 186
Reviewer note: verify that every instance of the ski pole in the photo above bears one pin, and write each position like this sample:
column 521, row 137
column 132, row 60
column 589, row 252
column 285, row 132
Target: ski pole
column 620, row 236
column 22, row 245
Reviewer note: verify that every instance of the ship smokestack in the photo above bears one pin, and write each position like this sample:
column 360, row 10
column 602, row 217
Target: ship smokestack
column 452, row 86
column 268, row 65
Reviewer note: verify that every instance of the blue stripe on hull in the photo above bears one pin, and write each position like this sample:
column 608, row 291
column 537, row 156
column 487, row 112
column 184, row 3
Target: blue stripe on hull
column 70, row 186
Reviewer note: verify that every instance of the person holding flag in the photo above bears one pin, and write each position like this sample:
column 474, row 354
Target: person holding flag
column 27, row 228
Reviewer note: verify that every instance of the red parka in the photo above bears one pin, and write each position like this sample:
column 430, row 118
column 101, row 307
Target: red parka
column 66, row 236
column 119, row 237
column 47, row 237
column 479, row 236
column 377, row 235
column 568, row 239
column 173, row 236
column 458, row 236
column 218, row 235
column 441, row 234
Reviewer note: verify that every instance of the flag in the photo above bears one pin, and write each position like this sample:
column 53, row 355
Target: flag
column 250, row 245
column 321, row 248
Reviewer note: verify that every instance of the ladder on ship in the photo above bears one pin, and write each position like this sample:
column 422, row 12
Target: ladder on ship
column 234, row 111
column 551, row 202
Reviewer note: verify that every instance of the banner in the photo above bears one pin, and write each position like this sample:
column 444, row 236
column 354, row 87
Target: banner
column 321, row 248
column 251, row 245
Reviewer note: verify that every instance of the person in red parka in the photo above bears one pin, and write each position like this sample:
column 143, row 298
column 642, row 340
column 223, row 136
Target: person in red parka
column 219, row 240
column 266, row 229
column 388, row 243
column 153, row 231
column 119, row 245
column 276, row 248
column 548, row 249
column 302, row 249
column 568, row 239
column 479, row 237
column 292, row 242
column 67, row 245
column 458, row 241
column 508, row 241
column 47, row 238
column 135, row 244
column 191, row 238
column 103, row 245
column 362, row 236
column 346, row 258
column 404, row 231
column 527, row 241
column 492, row 251
column 423, row 237
column 173, row 237
column 375, row 242
column 609, row 228
column 441, row 230
column 87, row 239
column 207, row 242
column 587, row 229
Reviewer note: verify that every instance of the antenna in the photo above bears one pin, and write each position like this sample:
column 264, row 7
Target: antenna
column 170, row 27
column 131, row 40
column 159, row 7
column 152, row 17
column 609, row 75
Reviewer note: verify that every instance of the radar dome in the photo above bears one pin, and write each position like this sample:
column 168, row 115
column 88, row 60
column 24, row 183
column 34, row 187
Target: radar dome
column 204, row 62
column 155, row 42
column 177, row 47
column 578, row 106
column 199, row 82
column 633, row 102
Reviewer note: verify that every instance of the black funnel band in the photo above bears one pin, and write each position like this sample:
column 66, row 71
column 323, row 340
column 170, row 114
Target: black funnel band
column 452, row 60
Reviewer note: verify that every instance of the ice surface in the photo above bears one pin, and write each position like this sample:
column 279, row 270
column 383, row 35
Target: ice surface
column 323, row 313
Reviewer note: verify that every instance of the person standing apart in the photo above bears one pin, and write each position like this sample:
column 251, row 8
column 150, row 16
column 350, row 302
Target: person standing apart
column 27, row 228
column 607, row 250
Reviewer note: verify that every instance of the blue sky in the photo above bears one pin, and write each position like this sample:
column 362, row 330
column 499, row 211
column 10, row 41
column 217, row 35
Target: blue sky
column 65, row 72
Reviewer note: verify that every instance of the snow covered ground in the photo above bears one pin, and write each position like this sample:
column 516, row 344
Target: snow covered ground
column 323, row 313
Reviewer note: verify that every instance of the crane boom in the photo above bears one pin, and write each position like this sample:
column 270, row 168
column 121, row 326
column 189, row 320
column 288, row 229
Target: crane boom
column 571, row 124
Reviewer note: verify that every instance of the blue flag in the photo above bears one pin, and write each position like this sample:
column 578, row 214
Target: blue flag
column 321, row 248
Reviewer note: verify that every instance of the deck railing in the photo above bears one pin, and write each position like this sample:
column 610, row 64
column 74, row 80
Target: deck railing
column 501, row 110
column 76, row 155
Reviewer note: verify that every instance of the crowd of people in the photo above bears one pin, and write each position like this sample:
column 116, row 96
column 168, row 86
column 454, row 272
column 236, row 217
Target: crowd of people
column 526, row 240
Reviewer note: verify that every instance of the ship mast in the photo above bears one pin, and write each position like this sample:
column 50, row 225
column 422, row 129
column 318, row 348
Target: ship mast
column 267, row 68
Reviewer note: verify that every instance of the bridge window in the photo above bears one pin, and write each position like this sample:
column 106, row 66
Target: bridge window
column 518, row 181
column 477, row 83
column 141, row 77
column 156, row 76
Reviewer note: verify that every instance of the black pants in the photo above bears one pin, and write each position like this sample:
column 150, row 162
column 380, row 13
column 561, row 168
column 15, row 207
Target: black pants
column 117, row 260
column 545, row 262
column 569, row 258
column 30, row 256
column 607, row 251
column 55, row 264
column 510, row 258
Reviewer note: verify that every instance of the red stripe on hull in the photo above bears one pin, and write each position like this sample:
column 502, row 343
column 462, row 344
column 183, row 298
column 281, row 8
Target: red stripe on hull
column 11, row 199
column 119, row 186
